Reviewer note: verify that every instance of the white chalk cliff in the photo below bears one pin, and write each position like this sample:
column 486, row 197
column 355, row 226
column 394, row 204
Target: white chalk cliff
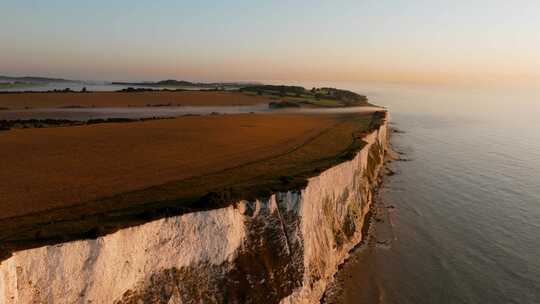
column 282, row 249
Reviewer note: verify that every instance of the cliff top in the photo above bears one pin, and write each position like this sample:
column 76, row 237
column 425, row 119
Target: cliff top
column 76, row 182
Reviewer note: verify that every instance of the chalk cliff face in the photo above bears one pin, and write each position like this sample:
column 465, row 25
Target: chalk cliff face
column 282, row 249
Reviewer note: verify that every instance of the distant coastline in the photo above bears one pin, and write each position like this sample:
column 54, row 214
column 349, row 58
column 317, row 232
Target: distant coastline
column 184, row 83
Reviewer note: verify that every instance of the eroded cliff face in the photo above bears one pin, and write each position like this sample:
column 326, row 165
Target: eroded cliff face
column 282, row 249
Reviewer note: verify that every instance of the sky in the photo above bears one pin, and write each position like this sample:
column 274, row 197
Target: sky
column 417, row 41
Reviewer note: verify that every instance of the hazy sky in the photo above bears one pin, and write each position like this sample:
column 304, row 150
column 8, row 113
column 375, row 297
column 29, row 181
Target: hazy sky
column 413, row 40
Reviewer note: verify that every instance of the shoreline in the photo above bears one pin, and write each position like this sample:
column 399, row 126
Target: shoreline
column 354, row 282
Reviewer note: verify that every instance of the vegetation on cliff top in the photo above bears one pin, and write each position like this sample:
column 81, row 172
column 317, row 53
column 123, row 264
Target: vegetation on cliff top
column 295, row 96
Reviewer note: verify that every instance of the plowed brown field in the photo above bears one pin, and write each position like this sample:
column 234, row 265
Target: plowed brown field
column 57, row 167
column 124, row 99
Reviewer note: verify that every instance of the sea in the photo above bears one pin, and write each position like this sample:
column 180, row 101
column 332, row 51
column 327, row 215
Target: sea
column 462, row 203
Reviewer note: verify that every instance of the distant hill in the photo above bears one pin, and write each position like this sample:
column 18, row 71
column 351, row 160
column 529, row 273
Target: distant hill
column 292, row 96
column 162, row 83
column 183, row 83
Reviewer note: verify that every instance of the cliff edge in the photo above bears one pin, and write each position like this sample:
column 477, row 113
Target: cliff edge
column 284, row 248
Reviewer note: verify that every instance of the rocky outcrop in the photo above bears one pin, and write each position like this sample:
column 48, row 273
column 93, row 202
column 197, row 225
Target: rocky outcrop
column 284, row 248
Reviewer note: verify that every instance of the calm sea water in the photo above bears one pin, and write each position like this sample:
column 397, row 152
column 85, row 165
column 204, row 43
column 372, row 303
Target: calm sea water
column 466, row 228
